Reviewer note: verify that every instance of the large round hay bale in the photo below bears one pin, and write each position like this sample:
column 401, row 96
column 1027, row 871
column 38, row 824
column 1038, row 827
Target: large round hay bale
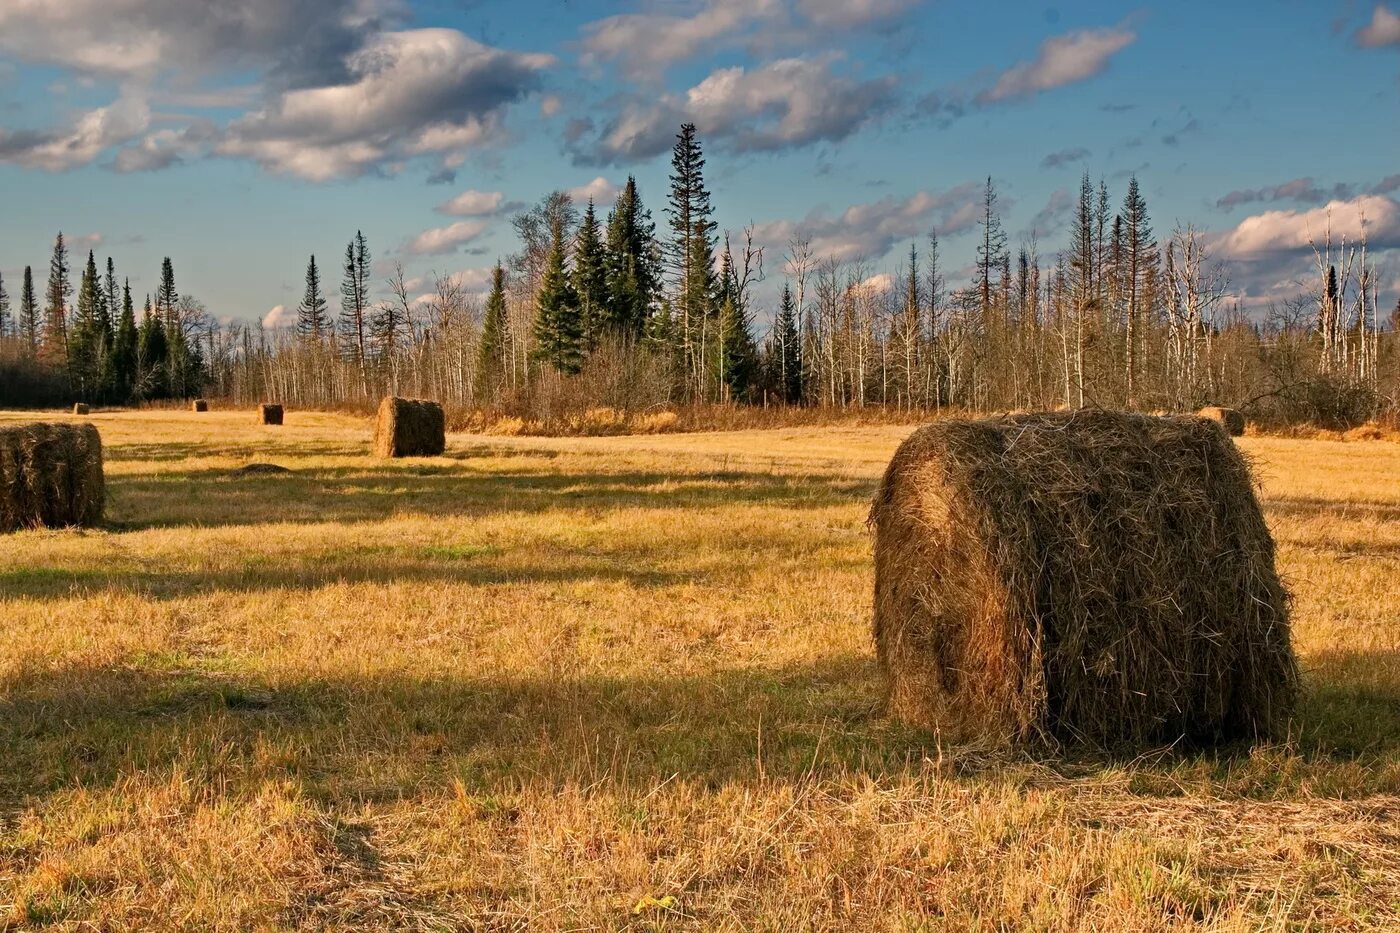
column 409, row 428
column 50, row 476
column 1088, row 578
column 1228, row 418
column 81, row 408
column 269, row 414
column 199, row 404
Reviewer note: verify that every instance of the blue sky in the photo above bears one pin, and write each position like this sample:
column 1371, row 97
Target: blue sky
column 241, row 136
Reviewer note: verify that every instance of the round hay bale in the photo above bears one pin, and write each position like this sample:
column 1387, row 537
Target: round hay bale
column 50, row 476
column 409, row 428
column 199, row 404
column 1228, row 418
column 81, row 408
column 1091, row 578
column 269, row 414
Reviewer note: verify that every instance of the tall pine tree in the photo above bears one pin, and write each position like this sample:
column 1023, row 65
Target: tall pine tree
column 1139, row 269
column 354, row 299
column 633, row 275
column 151, row 356
column 691, row 255
column 53, row 345
column 991, row 251
column 785, row 351
column 312, row 323
column 6, row 318
column 122, row 358
column 29, row 325
column 491, row 360
column 590, row 279
column 558, row 334
column 85, row 343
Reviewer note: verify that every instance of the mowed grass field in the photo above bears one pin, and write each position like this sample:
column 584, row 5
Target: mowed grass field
column 621, row 684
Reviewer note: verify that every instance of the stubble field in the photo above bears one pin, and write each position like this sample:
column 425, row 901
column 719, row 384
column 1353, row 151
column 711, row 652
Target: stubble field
column 620, row 683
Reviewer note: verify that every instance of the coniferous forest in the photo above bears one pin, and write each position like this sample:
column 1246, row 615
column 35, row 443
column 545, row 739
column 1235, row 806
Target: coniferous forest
column 633, row 312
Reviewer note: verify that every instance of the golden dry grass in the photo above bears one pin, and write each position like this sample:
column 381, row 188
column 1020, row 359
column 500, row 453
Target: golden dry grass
column 619, row 683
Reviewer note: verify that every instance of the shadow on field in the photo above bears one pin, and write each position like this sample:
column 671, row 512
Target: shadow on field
column 428, row 567
column 211, row 498
column 206, row 448
column 1352, row 703
column 383, row 737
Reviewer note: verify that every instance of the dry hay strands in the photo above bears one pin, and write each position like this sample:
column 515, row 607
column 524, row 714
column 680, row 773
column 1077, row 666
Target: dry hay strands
column 1096, row 579
column 409, row 428
column 81, row 408
column 269, row 414
column 50, row 476
column 199, row 404
column 1228, row 418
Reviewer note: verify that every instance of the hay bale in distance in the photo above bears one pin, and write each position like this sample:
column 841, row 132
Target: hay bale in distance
column 269, row 414
column 50, row 476
column 1087, row 578
column 409, row 428
column 1228, row 418
column 199, row 404
column 81, row 408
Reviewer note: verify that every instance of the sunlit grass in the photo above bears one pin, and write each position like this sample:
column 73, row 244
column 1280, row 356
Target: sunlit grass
column 619, row 683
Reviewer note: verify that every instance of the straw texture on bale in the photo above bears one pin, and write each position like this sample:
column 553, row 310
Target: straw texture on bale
column 50, row 476
column 1228, row 418
column 1087, row 578
column 269, row 414
column 199, row 404
column 409, row 428
column 81, row 409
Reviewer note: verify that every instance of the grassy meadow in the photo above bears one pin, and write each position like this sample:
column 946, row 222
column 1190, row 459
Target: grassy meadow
column 620, row 683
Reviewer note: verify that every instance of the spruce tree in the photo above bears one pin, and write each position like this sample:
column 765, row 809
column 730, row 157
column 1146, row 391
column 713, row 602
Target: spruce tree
column 1139, row 268
column 122, row 357
column 690, row 254
column 166, row 296
column 181, row 369
column 107, row 312
column 785, row 351
column 591, row 279
column 29, row 312
column 85, row 345
column 491, row 355
column 312, row 324
column 737, row 357
column 151, row 354
column 354, row 299
column 1082, row 245
column 991, row 251
column 558, row 335
column 53, row 346
column 633, row 275
column 6, row 319
column 110, row 296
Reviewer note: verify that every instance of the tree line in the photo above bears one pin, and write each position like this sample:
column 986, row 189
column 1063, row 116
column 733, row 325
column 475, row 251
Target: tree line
column 88, row 345
column 612, row 311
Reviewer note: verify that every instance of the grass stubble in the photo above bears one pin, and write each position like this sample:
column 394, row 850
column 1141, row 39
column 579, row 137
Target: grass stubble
column 621, row 683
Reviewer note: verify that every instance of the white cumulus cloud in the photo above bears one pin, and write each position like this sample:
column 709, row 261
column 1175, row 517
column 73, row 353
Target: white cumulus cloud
column 1383, row 29
column 279, row 317
column 784, row 104
column 1377, row 217
column 1062, row 60
column 449, row 239
column 473, row 204
column 409, row 93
